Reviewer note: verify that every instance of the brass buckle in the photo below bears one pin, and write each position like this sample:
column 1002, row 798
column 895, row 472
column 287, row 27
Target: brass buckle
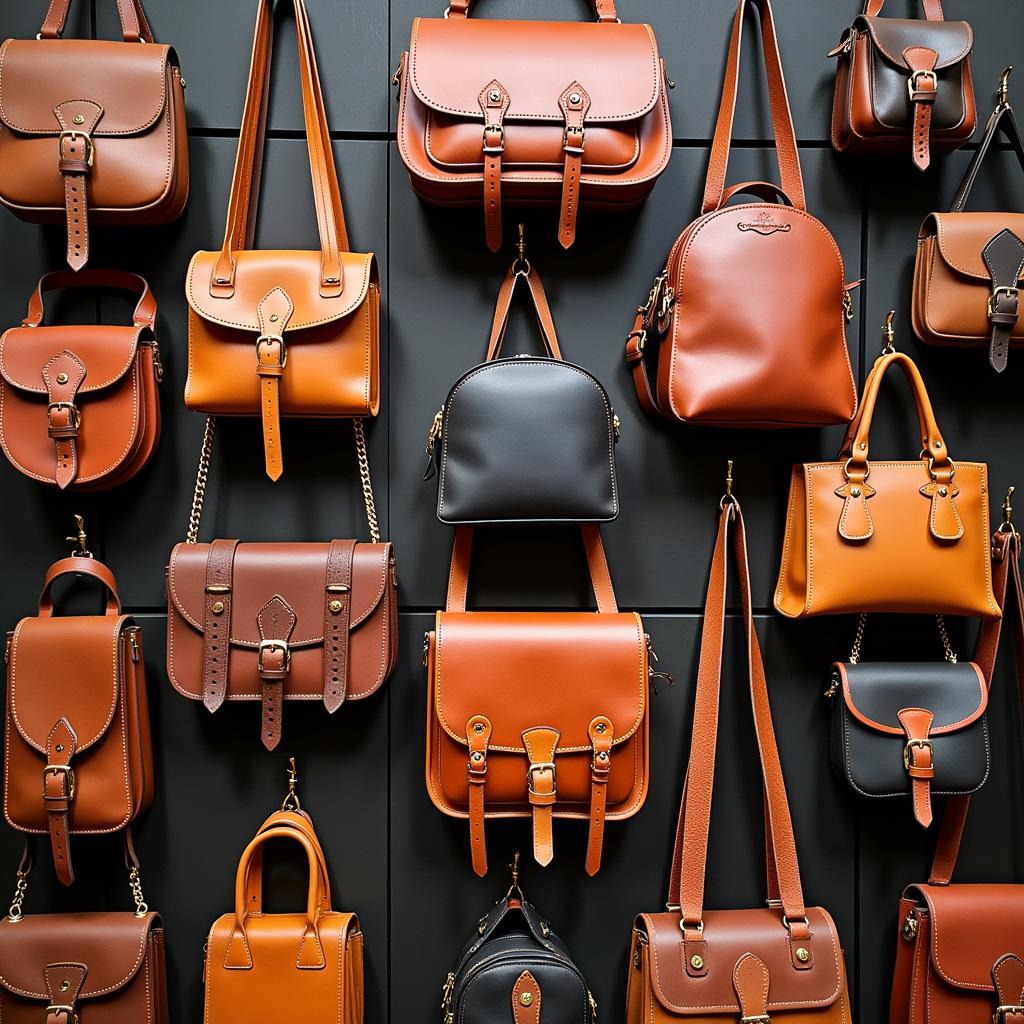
column 266, row 339
column 652, row 298
column 761, row 1018
column 912, row 81
column 69, row 778
column 1010, row 293
column 575, row 150
column 500, row 147
column 541, row 766
column 76, row 413
column 641, row 339
column 921, row 744
column 1002, row 1012
column 68, row 1010
column 274, row 645
column 69, row 135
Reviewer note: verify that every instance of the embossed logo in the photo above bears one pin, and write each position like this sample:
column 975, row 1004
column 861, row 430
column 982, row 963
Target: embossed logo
column 763, row 224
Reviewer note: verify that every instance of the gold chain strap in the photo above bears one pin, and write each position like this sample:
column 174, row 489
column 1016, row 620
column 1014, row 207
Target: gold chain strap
column 940, row 620
column 858, row 638
column 364, row 478
column 947, row 647
column 15, row 913
column 141, row 907
column 192, row 537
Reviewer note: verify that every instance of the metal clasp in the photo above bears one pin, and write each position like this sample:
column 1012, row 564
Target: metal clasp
column 266, row 339
column 542, row 766
column 76, row 413
column 1013, row 294
column 500, row 147
column 69, row 135
column 761, row 1018
column 575, row 150
column 69, row 778
column 1002, row 1012
column 274, row 645
column 921, row 744
column 912, row 82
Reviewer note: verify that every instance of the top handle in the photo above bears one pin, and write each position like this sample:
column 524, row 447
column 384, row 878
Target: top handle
column 144, row 314
column 79, row 565
column 522, row 270
column 932, row 9
column 298, row 822
column 134, row 26
column 604, row 9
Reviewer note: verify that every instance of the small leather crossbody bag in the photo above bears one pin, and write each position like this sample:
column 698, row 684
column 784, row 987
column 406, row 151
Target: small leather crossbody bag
column 969, row 266
column 525, row 439
column 92, row 131
column 781, row 962
column 537, row 715
column 532, row 113
column 80, row 404
column 283, row 332
column 903, row 83
column 720, row 357
column 870, row 536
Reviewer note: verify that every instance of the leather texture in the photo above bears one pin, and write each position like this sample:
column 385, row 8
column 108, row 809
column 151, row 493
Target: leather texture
column 92, row 130
column 321, row 620
column 277, row 333
column 100, row 968
column 719, row 358
column 525, row 438
column 80, row 404
column 78, row 754
column 532, row 113
column 912, row 538
column 783, row 960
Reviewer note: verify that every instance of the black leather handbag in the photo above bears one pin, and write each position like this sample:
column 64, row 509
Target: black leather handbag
column 515, row 961
column 524, row 439
column 910, row 728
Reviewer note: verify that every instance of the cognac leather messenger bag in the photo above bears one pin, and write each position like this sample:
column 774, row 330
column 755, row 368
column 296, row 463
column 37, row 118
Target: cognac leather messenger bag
column 537, row 715
column 283, row 332
column 80, row 405
column 532, row 113
column 92, row 131
column 782, row 962
column 744, row 326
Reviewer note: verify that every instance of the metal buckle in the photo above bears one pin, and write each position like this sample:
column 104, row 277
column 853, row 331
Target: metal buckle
column 789, row 924
column 641, row 339
column 1010, row 293
column 912, row 81
column 274, row 645
column 70, row 135
column 1002, row 1012
column 69, row 777
column 761, row 1018
column 500, row 147
column 68, row 1010
column 76, row 413
column 576, row 150
column 266, row 339
column 923, row 745
column 541, row 766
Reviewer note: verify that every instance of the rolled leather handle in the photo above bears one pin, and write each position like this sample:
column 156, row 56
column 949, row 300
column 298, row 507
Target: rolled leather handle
column 503, row 307
column 144, row 314
column 932, row 9
column 604, row 9
column 134, row 26
column 254, row 882
column 78, row 565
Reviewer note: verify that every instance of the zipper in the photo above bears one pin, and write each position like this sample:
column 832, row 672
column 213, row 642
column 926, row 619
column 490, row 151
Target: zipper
column 425, row 657
column 134, row 640
column 396, row 78
column 616, row 426
column 910, row 926
column 652, row 674
column 158, row 363
column 834, row 688
column 844, row 47
column 432, row 437
column 637, row 950
column 446, row 997
column 593, row 1006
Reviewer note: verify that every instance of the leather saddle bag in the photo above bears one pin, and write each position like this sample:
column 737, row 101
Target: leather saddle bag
column 969, row 266
column 782, row 961
column 92, row 131
column 79, row 759
column 264, row 966
column 283, row 333
column 910, row 536
column 903, row 83
column 80, row 404
column 525, row 439
column 960, row 948
column 537, row 715
column 532, row 113
column 746, row 319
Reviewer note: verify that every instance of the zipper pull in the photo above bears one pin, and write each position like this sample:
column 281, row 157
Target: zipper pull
column 158, row 363
column 432, row 438
column 844, row 47
column 909, row 929
column 396, row 78
column 834, row 688
column 426, row 649
column 593, row 1006
column 135, row 647
column 616, row 426
column 446, row 995
column 652, row 675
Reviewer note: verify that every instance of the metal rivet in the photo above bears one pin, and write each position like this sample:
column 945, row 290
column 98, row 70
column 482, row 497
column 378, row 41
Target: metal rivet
column 575, row 98
column 65, row 985
column 494, row 96
column 62, row 378
column 60, row 748
column 274, row 318
column 938, row 444
column 803, row 955
column 477, row 756
column 478, row 727
column 217, row 607
column 335, row 606
column 854, row 492
column 333, row 280
column 222, row 280
column 526, row 998
column 697, row 962
column 943, row 492
column 78, row 119
column 602, row 757
column 600, row 727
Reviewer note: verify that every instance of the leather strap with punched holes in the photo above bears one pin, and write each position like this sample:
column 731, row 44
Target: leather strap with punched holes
column 218, row 601
column 542, row 788
column 58, row 794
column 602, row 735
column 923, row 86
column 919, row 760
column 75, row 153
column 574, row 104
column 274, row 311
column 276, row 620
column 337, row 622
column 494, row 103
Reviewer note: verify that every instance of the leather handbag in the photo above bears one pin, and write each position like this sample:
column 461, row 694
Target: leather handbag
column 283, row 332
column 514, row 959
column 782, row 961
column 910, row 729
column 903, row 84
column 280, row 622
column 78, row 753
column 912, row 538
column 525, row 439
column 268, row 967
column 92, row 131
column 969, row 266
column 746, row 319
column 532, row 113
column 537, row 715
column 960, row 949
column 80, row 404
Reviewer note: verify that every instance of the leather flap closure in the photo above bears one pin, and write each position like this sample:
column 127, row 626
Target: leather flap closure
column 295, row 572
column 964, row 946
column 875, row 693
column 128, row 81
column 65, row 666
column 500, row 664
column 111, row 945
column 951, row 40
column 730, row 934
column 107, row 353
column 451, row 61
column 963, row 236
column 259, row 271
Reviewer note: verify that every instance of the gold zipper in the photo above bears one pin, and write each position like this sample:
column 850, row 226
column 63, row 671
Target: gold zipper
column 426, row 648
column 135, row 646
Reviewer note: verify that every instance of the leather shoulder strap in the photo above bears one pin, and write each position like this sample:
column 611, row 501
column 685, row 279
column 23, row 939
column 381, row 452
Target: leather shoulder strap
column 604, row 9
column 503, row 308
column 134, row 26
column 932, row 9
column 145, row 310
column 1002, row 120
column 79, row 566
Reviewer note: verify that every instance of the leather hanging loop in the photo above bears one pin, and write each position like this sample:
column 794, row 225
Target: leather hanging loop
column 603, row 9
column 932, row 9
column 503, row 308
column 144, row 314
column 134, row 26
column 76, row 565
column 1002, row 121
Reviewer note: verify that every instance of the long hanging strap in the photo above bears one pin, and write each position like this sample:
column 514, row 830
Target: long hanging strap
column 134, row 26
column 1002, row 120
column 503, row 307
column 932, row 9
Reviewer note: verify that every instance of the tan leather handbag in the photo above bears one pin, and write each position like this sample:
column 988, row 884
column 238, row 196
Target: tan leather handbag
column 782, row 961
column 969, row 266
column 283, row 332
column 865, row 536
column 78, row 755
column 746, row 320
column 267, row 967
column 92, row 131
column 537, row 715
column 80, row 405
column 532, row 113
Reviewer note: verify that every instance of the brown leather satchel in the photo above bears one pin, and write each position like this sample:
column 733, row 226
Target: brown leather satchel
column 903, row 83
column 78, row 755
column 532, row 113
column 969, row 266
column 783, row 960
column 746, row 319
column 550, row 707
column 912, row 538
column 92, row 130
column 79, row 405
column 272, row 967
column 960, row 949
column 283, row 332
